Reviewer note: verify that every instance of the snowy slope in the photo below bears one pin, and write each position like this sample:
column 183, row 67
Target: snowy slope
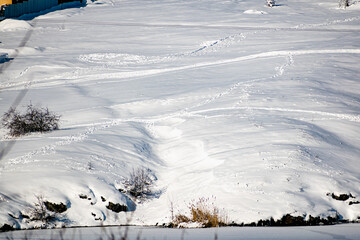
column 255, row 108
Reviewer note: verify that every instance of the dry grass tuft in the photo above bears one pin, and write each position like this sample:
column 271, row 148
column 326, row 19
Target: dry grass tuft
column 203, row 212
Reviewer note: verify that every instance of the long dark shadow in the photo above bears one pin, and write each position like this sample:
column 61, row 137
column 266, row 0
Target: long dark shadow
column 23, row 92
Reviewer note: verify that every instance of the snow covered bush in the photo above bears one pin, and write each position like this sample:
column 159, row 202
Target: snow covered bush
column 270, row 3
column 140, row 182
column 34, row 120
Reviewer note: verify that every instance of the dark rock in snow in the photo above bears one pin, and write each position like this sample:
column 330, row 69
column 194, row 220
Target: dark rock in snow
column 117, row 207
column 54, row 207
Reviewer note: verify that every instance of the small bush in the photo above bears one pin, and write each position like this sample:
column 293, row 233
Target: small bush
column 204, row 213
column 140, row 182
column 34, row 120
column 40, row 212
column 180, row 218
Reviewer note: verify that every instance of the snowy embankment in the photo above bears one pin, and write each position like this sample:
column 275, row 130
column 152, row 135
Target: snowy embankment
column 255, row 108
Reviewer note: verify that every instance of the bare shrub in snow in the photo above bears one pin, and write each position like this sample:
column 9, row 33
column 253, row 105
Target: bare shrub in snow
column 203, row 212
column 34, row 120
column 344, row 3
column 270, row 3
column 39, row 212
column 139, row 184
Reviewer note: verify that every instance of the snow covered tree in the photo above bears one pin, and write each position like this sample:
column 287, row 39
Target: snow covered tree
column 270, row 3
column 344, row 3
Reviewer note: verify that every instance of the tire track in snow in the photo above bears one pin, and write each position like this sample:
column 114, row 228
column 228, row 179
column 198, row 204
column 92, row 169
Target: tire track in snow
column 327, row 23
column 144, row 73
column 187, row 25
column 219, row 43
column 135, row 74
column 215, row 43
column 348, row 117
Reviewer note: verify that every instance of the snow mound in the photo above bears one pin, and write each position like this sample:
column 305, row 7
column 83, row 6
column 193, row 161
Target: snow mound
column 255, row 12
column 11, row 25
column 6, row 53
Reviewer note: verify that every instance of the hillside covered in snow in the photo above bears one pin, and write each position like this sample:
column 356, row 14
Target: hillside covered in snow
column 254, row 109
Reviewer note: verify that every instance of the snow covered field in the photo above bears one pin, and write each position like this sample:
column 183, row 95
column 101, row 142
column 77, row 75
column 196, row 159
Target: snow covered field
column 255, row 108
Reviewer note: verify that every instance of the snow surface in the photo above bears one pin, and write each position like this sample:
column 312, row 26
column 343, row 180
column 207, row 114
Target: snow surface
column 259, row 113
column 345, row 231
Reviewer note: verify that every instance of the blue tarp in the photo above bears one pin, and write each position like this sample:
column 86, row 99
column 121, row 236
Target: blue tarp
column 29, row 6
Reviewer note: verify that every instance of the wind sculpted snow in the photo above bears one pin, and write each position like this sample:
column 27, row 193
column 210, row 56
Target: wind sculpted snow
column 254, row 108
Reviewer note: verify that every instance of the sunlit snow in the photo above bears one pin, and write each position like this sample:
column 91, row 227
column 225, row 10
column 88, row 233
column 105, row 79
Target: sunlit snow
column 255, row 108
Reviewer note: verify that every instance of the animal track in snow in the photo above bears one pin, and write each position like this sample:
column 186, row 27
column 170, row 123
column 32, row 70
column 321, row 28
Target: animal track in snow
column 327, row 23
column 348, row 117
column 280, row 70
column 121, row 59
column 226, row 41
